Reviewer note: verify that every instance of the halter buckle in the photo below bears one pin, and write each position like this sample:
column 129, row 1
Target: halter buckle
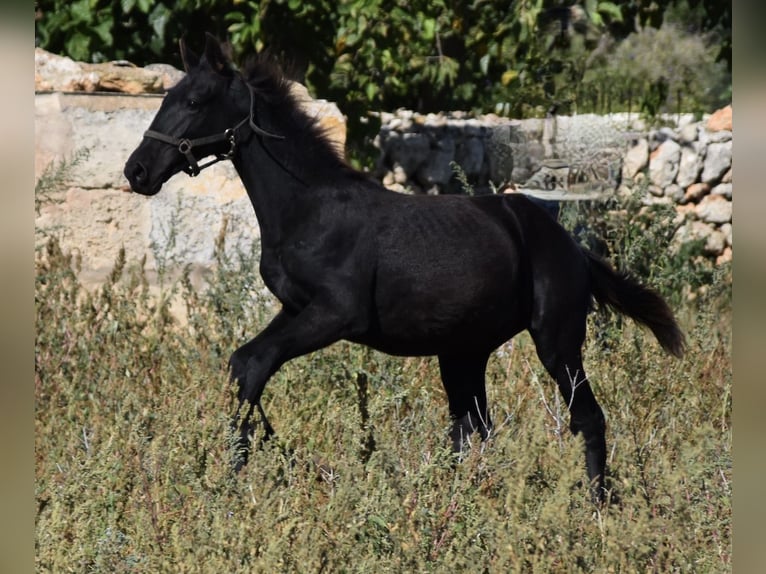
column 184, row 146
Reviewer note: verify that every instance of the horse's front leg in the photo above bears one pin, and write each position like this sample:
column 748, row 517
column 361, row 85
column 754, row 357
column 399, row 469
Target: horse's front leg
column 287, row 336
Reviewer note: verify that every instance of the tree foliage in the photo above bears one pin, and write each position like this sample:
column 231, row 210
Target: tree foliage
column 523, row 58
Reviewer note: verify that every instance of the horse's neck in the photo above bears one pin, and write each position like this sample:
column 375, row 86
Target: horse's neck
column 271, row 188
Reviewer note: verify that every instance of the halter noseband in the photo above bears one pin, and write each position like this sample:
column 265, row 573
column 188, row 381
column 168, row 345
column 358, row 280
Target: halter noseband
column 186, row 145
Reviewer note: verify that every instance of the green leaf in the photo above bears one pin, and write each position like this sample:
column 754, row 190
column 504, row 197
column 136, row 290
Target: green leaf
column 127, row 5
column 104, row 31
column 611, row 9
column 371, row 91
column 158, row 19
column 81, row 11
column 78, row 47
column 145, row 5
column 234, row 17
column 429, row 28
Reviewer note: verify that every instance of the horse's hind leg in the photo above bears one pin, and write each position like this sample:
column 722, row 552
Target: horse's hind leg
column 559, row 348
column 463, row 378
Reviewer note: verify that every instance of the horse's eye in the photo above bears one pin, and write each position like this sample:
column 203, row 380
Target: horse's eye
column 193, row 103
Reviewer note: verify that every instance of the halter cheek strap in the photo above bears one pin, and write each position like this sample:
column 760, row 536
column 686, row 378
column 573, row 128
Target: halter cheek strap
column 185, row 145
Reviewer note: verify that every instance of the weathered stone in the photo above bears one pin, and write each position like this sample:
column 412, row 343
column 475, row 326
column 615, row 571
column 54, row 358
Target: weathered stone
column 436, row 170
column 674, row 192
column 723, row 189
column 697, row 230
column 400, row 176
column 720, row 120
column 59, row 73
column 469, row 155
column 727, row 177
column 409, row 150
column 499, row 153
column 727, row 229
column 170, row 75
column 724, row 257
column 690, row 165
column 717, row 161
column 695, row 192
column 688, row 133
column 714, row 209
column 706, row 137
column 636, row 159
column 663, row 163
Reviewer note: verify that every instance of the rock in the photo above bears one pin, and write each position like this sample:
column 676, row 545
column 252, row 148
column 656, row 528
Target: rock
column 436, row 170
column 695, row 192
column 717, row 161
column 727, row 177
column 170, row 75
column 723, row 189
column 409, row 150
column 636, row 159
column 469, row 155
column 724, row 257
column 714, row 209
column 674, row 192
column 720, row 120
column 688, row 133
column 726, row 229
column 664, row 162
column 59, row 73
column 690, row 165
column 499, row 153
column 697, row 230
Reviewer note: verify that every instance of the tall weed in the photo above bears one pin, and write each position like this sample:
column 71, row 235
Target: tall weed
column 132, row 444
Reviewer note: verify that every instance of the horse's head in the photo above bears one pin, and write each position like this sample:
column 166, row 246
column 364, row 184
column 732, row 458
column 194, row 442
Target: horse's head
column 200, row 116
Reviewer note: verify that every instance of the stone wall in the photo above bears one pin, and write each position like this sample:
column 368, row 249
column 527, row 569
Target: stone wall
column 97, row 214
column 566, row 158
column 687, row 163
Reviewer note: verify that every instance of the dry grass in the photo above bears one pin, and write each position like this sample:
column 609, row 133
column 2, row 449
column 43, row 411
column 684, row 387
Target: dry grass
column 132, row 445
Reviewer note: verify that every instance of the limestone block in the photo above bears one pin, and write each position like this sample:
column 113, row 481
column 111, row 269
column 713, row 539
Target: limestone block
column 690, row 165
column 469, row 155
column 715, row 241
column 720, row 120
column 695, row 192
column 723, row 189
column 714, row 209
column 664, row 162
column 717, row 161
column 409, row 150
column 436, row 170
column 636, row 159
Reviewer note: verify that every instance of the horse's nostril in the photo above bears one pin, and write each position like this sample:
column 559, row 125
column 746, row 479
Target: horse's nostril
column 139, row 172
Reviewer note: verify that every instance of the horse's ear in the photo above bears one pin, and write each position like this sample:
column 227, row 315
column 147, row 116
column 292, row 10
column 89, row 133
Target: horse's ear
column 189, row 58
column 215, row 56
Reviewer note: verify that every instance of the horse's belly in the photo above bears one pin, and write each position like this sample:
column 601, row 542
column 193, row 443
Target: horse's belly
column 431, row 317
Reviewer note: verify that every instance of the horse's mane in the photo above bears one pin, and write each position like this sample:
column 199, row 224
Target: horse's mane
column 263, row 73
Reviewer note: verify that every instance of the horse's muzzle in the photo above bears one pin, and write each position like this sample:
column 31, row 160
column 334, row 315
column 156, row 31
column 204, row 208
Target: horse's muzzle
column 138, row 177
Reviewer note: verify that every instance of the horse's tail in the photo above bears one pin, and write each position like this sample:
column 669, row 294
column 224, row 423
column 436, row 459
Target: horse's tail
column 627, row 296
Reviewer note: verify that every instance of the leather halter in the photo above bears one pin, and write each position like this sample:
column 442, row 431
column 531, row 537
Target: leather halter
column 185, row 145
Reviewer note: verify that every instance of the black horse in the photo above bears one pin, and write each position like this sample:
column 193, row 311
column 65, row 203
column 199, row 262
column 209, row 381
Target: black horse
column 451, row 276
